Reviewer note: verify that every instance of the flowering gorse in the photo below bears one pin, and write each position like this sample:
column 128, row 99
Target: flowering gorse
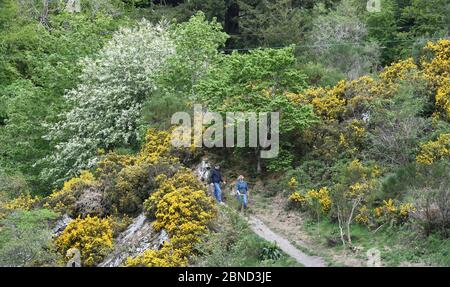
column 183, row 209
column 92, row 236
column 314, row 199
column 63, row 200
column 319, row 197
column 23, row 201
column 434, row 150
column 436, row 69
column 390, row 212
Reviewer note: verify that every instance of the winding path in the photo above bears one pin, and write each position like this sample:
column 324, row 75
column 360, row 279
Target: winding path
column 266, row 233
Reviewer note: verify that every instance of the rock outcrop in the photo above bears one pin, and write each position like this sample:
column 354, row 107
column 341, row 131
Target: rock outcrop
column 138, row 237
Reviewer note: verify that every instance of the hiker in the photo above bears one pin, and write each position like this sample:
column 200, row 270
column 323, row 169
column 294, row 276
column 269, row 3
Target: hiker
column 242, row 192
column 216, row 179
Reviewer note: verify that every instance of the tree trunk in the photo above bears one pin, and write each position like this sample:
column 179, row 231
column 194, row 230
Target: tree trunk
column 341, row 230
column 350, row 219
column 258, row 161
column 44, row 14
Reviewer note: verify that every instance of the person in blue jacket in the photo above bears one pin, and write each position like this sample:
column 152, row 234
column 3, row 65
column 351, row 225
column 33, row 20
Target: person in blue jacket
column 242, row 192
column 216, row 179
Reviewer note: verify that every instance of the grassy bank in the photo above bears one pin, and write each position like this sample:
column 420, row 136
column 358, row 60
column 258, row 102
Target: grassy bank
column 398, row 245
column 234, row 244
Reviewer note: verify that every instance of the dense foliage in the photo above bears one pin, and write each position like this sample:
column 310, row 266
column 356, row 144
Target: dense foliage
column 88, row 88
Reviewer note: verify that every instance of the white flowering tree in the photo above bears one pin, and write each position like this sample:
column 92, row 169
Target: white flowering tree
column 107, row 103
column 197, row 42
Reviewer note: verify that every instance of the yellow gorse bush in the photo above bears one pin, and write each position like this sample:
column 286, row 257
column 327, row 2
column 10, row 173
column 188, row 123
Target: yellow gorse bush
column 165, row 257
column 85, row 178
column 358, row 188
column 293, row 183
column 183, row 209
column 343, row 107
column 398, row 71
column 389, row 211
column 313, row 198
column 179, row 203
column 129, row 179
column 434, row 150
column 184, row 214
column 297, row 197
column 24, row 202
column 346, row 97
column 436, row 70
column 182, row 178
column 364, row 179
column 328, row 103
column 363, row 215
column 157, row 148
column 63, row 200
column 357, row 128
column 321, row 197
column 405, row 209
column 92, row 236
column 352, row 137
column 113, row 163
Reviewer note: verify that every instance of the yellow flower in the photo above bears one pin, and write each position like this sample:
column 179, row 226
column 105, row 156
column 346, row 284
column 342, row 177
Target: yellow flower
column 405, row 209
column 297, row 197
column 398, row 71
column 293, row 183
column 92, row 236
column 24, row 202
column 378, row 211
column 183, row 209
column 167, row 256
column 320, row 196
column 64, row 199
column 342, row 140
column 436, row 71
column 362, row 216
column 390, row 211
column 434, row 150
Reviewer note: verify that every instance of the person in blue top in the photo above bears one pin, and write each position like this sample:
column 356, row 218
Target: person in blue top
column 242, row 192
column 216, row 179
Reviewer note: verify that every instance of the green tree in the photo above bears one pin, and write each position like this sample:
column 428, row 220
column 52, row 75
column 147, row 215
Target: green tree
column 270, row 23
column 257, row 82
column 196, row 49
column 426, row 18
column 129, row 85
column 339, row 40
column 382, row 27
column 36, row 66
column 107, row 102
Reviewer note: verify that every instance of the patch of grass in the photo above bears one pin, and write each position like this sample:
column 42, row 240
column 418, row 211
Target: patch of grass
column 398, row 245
column 234, row 244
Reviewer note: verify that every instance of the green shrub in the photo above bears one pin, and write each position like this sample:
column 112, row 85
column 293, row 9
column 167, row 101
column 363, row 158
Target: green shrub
column 26, row 239
column 270, row 251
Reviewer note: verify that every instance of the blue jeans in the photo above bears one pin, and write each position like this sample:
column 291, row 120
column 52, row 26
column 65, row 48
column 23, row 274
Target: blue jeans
column 217, row 192
column 242, row 198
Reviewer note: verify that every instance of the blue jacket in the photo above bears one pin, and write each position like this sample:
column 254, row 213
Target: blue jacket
column 242, row 186
column 216, row 176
